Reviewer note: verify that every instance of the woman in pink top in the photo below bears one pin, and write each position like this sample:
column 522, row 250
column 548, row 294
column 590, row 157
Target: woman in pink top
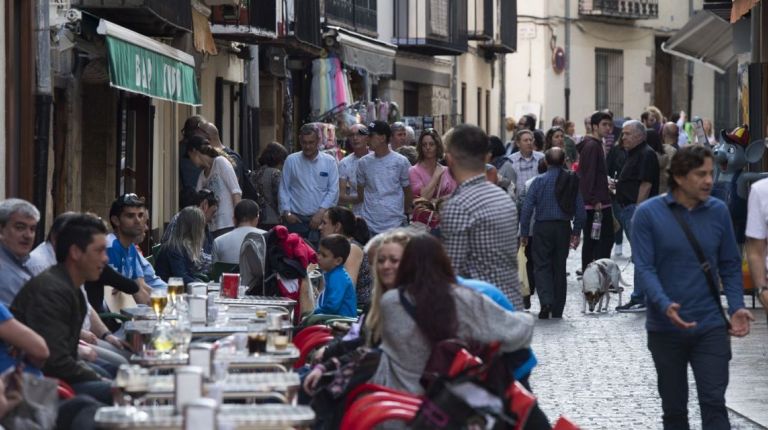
column 430, row 179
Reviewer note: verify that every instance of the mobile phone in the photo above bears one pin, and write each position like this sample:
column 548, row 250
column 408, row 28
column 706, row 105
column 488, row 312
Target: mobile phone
column 698, row 127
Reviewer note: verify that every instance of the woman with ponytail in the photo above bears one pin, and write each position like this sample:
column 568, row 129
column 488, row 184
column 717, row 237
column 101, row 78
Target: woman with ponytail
column 341, row 220
column 219, row 176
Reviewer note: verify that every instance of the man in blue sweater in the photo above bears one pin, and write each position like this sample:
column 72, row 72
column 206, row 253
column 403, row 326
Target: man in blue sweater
column 684, row 320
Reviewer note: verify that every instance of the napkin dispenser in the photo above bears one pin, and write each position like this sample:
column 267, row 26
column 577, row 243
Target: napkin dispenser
column 201, row 355
column 200, row 414
column 198, row 309
column 197, row 289
column 188, row 386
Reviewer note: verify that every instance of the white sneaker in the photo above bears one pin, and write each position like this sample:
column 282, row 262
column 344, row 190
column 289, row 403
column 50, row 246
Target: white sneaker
column 617, row 250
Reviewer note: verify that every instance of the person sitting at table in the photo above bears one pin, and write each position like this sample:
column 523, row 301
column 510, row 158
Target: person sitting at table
column 338, row 296
column 177, row 257
column 52, row 305
column 226, row 248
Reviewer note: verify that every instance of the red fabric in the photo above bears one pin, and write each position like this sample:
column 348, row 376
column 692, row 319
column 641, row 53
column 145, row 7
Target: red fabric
column 295, row 247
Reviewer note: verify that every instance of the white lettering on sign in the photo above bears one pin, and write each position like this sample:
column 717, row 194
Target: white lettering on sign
column 171, row 81
column 143, row 72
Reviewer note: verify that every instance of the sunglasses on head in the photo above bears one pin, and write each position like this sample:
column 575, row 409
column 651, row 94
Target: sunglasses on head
column 131, row 199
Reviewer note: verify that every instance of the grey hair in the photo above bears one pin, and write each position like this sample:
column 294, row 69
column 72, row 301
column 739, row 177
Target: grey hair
column 11, row 206
column 310, row 128
column 410, row 133
column 399, row 125
column 637, row 125
column 189, row 233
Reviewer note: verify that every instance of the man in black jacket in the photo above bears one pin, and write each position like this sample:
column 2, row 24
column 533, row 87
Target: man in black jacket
column 51, row 303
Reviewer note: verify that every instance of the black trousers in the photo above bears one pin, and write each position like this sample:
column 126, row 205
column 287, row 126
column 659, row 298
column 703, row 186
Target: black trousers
column 592, row 250
column 529, row 267
column 708, row 353
column 551, row 240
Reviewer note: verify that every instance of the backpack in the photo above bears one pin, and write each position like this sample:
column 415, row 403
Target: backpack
column 566, row 189
column 253, row 260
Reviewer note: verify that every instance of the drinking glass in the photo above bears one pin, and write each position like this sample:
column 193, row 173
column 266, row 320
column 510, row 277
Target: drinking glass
column 175, row 292
column 163, row 337
column 159, row 299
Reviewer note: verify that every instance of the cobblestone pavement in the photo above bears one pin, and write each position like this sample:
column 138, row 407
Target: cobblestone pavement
column 596, row 369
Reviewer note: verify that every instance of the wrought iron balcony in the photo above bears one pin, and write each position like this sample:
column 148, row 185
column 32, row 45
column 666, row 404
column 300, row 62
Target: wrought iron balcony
column 306, row 23
column 431, row 27
column 251, row 21
column 623, row 9
column 148, row 17
column 355, row 15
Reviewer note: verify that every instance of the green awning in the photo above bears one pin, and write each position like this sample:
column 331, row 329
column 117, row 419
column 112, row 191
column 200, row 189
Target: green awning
column 145, row 66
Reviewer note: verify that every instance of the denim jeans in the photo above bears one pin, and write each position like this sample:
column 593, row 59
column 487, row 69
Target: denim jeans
column 302, row 229
column 708, row 351
column 99, row 390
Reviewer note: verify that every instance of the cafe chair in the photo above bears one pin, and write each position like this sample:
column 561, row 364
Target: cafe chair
column 378, row 399
column 521, row 402
column 369, row 416
column 309, row 345
column 308, row 331
column 64, row 390
column 368, row 388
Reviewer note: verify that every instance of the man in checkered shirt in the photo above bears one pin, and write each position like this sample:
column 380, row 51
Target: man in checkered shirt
column 479, row 223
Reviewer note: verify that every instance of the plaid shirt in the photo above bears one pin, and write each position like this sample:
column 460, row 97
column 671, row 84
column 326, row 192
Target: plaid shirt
column 525, row 168
column 479, row 227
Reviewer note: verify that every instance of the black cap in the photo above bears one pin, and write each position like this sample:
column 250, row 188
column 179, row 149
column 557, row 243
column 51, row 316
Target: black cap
column 362, row 130
column 379, row 127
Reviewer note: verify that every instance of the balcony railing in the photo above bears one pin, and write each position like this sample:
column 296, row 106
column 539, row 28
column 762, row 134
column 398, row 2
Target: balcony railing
column 431, row 27
column 149, row 17
column 481, row 19
column 355, row 15
column 623, row 9
column 505, row 36
column 250, row 21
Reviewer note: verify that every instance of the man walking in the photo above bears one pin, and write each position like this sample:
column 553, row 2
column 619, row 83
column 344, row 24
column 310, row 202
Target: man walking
column 383, row 184
column 525, row 162
column 685, row 321
column 348, row 168
column 593, row 185
column 309, row 186
column 479, row 222
column 552, row 231
column 638, row 181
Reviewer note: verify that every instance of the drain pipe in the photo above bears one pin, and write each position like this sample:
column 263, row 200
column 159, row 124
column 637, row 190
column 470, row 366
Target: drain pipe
column 568, row 60
column 43, row 102
column 252, row 99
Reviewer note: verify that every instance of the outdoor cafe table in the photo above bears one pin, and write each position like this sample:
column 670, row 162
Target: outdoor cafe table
column 284, row 302
column 237, row 417
column 226, row 312
column 237, row 361
column 235, row 385
column 138, row 333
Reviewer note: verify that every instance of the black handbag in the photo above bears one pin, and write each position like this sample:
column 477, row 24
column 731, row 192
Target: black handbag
column 703, row 263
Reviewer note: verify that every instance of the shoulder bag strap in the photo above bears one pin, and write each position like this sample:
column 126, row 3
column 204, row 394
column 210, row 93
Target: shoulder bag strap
column 704, row 263
column 409, row 307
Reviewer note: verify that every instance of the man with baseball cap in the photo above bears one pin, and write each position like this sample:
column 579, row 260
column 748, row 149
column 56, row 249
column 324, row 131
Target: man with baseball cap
column 383, row 184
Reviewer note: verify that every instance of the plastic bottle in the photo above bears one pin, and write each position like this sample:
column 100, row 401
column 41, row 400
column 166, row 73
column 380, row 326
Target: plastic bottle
column 597, row 225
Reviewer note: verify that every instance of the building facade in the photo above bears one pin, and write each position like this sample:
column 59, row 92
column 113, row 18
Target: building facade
column 576, row 56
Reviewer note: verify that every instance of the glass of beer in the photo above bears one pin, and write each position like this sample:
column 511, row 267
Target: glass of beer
column 281, row 342
column 175, row 290
column 158, row 300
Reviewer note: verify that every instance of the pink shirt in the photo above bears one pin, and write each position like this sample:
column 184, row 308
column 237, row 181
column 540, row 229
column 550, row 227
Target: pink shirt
column 420, row 178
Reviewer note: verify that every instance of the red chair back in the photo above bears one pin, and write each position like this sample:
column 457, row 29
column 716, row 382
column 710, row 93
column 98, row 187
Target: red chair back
column 521, row 401
column 301, row 336
column 312, row 342
column 378, row 413
column 376, row 400
column 371, row 388
column 64, row 390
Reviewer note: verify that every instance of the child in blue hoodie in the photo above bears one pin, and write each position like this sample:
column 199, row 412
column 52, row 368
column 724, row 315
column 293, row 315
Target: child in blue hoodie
column 338, row 296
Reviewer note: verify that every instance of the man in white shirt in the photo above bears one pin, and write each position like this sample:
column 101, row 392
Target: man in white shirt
column 309, row 186
column 383, row 183
column 226, row 248
column 757, row 238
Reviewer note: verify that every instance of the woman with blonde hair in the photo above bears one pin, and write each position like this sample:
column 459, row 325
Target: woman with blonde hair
column 219, row 176
column 178, row 256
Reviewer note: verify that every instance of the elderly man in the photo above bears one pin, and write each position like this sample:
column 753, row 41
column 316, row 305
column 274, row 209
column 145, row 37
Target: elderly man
column 399, row 137
column 348, row 168
column 552, row 232
column 18, row 224
column 525, row 162
column 309, row 186
column 638, row 181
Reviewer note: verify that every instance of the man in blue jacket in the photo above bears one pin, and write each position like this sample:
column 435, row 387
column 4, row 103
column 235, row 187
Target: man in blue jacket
column 684, row 321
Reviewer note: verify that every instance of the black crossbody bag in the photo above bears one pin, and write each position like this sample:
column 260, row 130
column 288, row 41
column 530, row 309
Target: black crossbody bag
column 703, row 263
